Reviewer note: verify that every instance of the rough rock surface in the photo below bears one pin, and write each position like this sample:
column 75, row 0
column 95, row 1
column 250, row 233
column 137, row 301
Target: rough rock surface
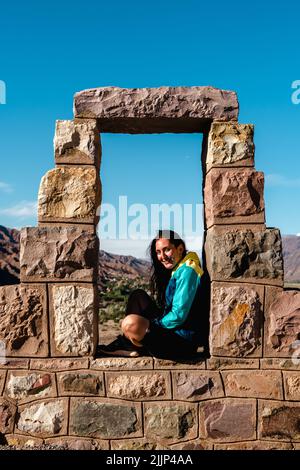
column 292, row 385
column 9, row 256
column 244, row 254
column 80, row 383
column 75, row 443
column 137, row 444
column 228, row 420
column 252, row 383
column 197, row 386
column 73, row 305
column 137, row 386
column 44, row 418
column 234, row 196
column 255, row 445
column 23, row 320
column 230, row 144
column 223, row 363
column 283, row 326
column 236, row 319
column 57, row 364
column 164, row 109
column 279, row 420
column 7, row 416
column 77, row 142
column 27, row 386
column 107, row 420
column 171, row 421
column 58, row 254
column 121, row 363
column 69, row 194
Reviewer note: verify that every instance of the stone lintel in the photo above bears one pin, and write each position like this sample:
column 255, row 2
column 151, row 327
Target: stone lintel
column 156, row 110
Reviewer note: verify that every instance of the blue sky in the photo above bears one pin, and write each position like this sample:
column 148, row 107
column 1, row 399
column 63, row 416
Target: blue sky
column 50, row 51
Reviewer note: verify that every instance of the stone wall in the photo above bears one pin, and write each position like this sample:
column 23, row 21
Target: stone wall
column 246, row 394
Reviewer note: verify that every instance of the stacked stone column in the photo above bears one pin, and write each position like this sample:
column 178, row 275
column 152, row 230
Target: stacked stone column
column 244, row 258
column 59, row 258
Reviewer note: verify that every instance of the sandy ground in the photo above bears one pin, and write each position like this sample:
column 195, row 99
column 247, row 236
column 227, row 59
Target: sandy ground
column 108, row 331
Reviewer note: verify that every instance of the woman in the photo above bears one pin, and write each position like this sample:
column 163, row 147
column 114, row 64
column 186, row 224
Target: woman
column 169, row 327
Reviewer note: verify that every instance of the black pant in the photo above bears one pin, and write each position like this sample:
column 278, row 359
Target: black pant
column 160, row 342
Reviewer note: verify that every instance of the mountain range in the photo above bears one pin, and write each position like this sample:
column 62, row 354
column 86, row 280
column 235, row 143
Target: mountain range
column 111, row 266
column 114, row 267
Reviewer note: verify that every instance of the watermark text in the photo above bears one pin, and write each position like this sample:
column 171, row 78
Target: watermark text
column 2, row 92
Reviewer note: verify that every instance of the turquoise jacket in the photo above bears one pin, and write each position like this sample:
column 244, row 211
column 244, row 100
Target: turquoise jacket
column 182, row 308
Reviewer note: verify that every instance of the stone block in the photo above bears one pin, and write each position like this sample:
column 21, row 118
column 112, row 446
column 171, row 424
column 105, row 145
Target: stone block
column 244, row 254
column 20, row 442
column 74, row 443
column 77, row 142
column 182, row 364
column 121, row 363
column 25, row 386
column 138, row 385
column 234, row 196
column 255, row 445
column 59, row 364
column 196, row 386
column 251, row 383
column 282, row 329
column 73, row 305
column 279, row 420
column 228, row 420
column 292, row 385
column 236, row 319
column 288, row 364
column 137, row 444
column 222, row 363
column 155, row 110
column 44, row 418
column 23, row 320
column 83, row 382
column 7, row 416
column 170, row 422
column 14, row 363
column 230, row 145
column 106, row 419
column 70, row 194
column 196, row 444
column 58, row 254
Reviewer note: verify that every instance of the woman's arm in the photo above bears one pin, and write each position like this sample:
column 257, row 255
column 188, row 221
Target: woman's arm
column 187, row 282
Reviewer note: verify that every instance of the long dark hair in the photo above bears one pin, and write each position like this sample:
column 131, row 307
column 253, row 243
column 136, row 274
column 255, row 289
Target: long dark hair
column 160, row 275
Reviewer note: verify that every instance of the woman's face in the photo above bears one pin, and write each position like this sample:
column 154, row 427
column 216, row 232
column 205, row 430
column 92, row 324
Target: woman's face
column 167, row 253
